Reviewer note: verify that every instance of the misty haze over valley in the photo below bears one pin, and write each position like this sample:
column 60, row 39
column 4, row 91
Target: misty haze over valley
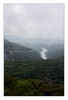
column 33, row 49
column 34, row 25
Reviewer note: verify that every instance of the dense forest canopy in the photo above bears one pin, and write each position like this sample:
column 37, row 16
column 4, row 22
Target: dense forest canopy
column 31, row 78
column 27, row 74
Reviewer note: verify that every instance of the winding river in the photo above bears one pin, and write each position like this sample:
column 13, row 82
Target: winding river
column 43, row 53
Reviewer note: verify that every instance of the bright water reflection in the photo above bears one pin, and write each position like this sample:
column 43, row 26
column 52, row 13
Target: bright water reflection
column 43, row 53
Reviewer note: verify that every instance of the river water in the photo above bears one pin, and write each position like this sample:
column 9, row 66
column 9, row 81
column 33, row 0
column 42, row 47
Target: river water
column 43, row 55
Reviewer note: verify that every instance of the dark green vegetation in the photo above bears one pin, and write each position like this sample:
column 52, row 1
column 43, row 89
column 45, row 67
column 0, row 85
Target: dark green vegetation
column 31, row 87
column 26, row 74
column 34, row 78
column 13, row 51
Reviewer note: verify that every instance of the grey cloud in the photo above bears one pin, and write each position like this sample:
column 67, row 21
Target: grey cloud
column 32, row 21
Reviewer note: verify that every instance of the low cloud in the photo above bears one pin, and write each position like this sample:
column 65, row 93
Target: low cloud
column 34, row 21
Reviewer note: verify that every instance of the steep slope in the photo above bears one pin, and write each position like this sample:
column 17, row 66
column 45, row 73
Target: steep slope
column 14, row 51
column 55, row 51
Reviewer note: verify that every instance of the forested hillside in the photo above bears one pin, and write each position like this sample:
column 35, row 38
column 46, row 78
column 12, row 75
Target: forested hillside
column 44, row 77
column 51, row 70
column 31, row 87
column 13, row 51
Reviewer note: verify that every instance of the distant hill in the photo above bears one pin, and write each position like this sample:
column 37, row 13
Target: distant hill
column 55, row 51
column 14, row 51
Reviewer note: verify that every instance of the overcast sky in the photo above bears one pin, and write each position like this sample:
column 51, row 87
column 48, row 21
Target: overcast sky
column 34, row 20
